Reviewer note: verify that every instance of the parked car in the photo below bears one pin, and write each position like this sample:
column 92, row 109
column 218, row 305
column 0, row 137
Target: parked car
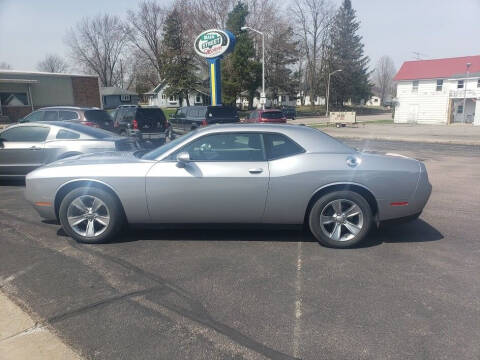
column 266, row 116
column 93, row 117
column 290, row 112
column 147, row 124
column 189, row 118
column 24, row 147
column 262, row 173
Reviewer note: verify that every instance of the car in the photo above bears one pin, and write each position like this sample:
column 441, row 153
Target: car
column 189, row 118
column 147, row 124
column 26, row 146
column 290, row 112
column 266, row 116
column 93, row 117
column 245, row 173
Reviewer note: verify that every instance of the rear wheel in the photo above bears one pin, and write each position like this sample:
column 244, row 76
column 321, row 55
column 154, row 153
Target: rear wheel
column 340, row 219
column 90, row 215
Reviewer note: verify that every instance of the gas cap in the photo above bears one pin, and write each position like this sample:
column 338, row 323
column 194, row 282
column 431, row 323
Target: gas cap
column 353, row 161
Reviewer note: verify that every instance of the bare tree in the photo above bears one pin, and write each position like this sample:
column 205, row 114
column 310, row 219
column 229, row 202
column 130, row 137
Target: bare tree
column 98, row 45
column 312, row 19
column 5, row 66
column 384, row 73
column 53, row 63
column 145, row 32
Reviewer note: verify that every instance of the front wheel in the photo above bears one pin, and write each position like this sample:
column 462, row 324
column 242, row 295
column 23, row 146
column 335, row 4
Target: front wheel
column 340, row 219
column 90, row 215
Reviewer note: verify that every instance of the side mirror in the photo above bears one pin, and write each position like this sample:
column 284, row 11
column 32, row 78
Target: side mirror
column 183, row 159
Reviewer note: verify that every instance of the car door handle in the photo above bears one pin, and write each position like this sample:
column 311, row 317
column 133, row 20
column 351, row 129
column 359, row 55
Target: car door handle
column 35, row 148
column 255, row 171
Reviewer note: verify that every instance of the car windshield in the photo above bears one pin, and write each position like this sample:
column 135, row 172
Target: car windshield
column 152, row 155
column 90, row 131
column 222, row 112
column 272, row 115
column 97, row 115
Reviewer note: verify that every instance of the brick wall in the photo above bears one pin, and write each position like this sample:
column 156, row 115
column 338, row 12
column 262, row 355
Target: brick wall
column 86, row 91
column 14, row 113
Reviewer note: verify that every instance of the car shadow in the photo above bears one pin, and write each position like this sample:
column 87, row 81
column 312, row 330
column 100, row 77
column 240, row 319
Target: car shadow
column 416, row 231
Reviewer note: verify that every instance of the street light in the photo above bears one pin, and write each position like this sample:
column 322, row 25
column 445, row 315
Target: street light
column 465, row 92
column 262, row 95
column 328, row 87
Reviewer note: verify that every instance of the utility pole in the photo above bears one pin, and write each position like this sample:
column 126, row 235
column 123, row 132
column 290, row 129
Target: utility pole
column 328, row 88
column 465, row 82
column 262, row 95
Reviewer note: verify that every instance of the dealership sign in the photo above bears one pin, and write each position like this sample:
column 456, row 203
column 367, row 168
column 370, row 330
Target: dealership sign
column 214, row 43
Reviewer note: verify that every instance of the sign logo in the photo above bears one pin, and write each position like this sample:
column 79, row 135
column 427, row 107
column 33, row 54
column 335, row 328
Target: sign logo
column 213, row 43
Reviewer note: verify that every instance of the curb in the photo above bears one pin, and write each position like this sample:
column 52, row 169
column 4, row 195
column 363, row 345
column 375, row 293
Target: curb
column 405, row 139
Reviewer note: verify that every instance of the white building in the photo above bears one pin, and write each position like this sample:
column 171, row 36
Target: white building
column 157, row 97
column 435, row 91
column 374, row 101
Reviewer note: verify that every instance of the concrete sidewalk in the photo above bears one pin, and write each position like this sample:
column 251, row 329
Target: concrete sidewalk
column 23, row 338
column 457, row 134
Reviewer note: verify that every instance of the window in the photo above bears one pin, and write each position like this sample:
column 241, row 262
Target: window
column 279, row 146
column 98, row 116
column 439, row 85
column 163, row 96
column 26, row 134
column 415, row 86
column 68, row 115
column 226, row 147
column 460, row 109
column 13, row 99
column 34, row 116
column 172, row 98
column 198, row 99
column 65, row 134
column 125, row 98
column 51, row 116
column 460, row 84
column 88, row 130
column 272, row 115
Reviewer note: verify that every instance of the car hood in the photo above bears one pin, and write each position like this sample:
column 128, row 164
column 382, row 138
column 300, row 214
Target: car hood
column 109, row 157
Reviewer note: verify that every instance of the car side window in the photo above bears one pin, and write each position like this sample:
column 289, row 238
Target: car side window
column 34, row 116
column 253, row 115
column 51, row 116
column 68, row 115
column 26, row 134
column 279, row 146
column 65, row 134
column 226, row 147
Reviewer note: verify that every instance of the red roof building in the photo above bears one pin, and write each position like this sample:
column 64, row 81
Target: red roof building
column 440, row 91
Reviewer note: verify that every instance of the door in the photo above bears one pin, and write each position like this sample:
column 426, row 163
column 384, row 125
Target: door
column 225, row 182
column 22, row 149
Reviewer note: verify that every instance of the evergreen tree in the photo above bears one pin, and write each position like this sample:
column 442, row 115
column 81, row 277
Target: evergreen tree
column 178, row 68
column 240, row 70
column 347, row 54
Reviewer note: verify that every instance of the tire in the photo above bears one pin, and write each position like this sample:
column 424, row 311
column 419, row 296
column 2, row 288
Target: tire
column 106, row 220
column 345, row 230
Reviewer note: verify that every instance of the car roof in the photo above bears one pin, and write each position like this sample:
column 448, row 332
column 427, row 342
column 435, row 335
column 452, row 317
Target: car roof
column 69, row 108
column 311, row 139
column 271, row 110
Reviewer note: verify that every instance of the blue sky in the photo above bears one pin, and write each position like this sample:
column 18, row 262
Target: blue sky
column 29, row 29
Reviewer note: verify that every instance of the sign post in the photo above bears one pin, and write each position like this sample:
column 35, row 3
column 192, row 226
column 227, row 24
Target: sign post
column 212, row 44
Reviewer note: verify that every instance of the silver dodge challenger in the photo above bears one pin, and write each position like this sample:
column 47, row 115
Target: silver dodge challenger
column 231, row 174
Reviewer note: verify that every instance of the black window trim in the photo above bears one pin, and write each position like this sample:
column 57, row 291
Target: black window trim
column 174, row 153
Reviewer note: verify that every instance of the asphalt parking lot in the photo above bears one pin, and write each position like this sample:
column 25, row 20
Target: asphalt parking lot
column 409, row 292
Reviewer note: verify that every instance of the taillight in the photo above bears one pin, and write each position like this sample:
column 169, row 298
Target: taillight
column 204, row 122
column 89, row 123
column 135, row 124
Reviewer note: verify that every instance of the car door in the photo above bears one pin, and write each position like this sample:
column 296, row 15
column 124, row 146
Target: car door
column 225, row 182
column 22, row 149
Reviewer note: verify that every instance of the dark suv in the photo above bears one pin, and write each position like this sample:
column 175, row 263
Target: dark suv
column 86, row 116
column 189, row 118
column 147, row 124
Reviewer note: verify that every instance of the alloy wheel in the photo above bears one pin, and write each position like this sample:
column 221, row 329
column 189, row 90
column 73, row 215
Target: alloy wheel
column 88, row 216
column 341, row 220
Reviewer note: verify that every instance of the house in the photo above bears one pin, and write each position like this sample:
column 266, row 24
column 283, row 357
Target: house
column 441, row 91
column 113, row 96
column 21, row 92
column 158, row 97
